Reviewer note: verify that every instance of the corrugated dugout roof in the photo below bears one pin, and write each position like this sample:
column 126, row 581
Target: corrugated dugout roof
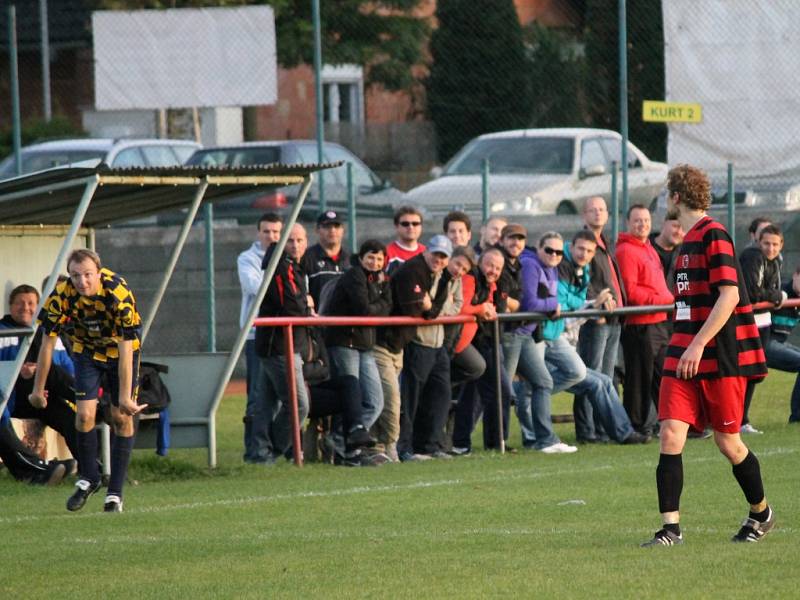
column 51, row 197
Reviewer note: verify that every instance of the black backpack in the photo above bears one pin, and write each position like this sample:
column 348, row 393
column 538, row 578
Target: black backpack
column 152, row 389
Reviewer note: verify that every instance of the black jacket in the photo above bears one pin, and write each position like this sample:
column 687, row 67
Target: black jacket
column 285, row 297
column 319, row 268
column 483, row 336
column 358, row 293
column 667, row 258
column 412, row 280
column 511, row 282
column 762, row 277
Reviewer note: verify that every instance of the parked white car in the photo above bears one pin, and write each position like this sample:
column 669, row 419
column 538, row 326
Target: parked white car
column 123, row 152
column 539, row 171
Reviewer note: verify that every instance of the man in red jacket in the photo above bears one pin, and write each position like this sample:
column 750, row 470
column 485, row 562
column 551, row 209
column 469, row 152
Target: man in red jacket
column 644, row 337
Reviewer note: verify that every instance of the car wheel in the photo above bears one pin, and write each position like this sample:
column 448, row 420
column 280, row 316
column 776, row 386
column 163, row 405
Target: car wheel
column 566, row 208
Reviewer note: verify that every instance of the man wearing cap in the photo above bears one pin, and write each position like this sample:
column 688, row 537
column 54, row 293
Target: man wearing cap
column 327, row 259
column 418, row 287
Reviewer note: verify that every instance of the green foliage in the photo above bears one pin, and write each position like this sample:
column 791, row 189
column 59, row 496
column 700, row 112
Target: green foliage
column 558, row 77
column 479, row 80
column 39, row 130
column 379, row 35
column 645, row 69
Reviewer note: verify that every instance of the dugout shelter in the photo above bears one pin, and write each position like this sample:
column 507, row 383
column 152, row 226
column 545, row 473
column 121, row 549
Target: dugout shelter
column 44, row 215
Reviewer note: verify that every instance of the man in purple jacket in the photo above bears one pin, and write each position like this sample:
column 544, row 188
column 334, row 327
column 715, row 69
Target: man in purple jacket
column 526, row 349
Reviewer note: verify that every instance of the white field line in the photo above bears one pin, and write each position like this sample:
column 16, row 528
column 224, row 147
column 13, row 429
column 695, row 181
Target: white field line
column 497, row 476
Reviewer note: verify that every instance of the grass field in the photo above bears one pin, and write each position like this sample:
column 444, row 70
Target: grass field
column 525, row 525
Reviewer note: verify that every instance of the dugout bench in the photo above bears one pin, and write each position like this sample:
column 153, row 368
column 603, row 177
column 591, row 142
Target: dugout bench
column 73, row 201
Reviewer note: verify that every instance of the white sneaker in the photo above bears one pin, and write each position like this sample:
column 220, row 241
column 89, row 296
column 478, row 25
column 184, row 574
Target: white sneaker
column 559, row 448
column 748, row 428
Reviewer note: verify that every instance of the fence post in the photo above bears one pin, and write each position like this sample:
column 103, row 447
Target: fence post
column 291, row 381
column 498, row 385
column 485, row 189
column 13, row 74
column 731, row 205
column 47, row 105
column 623, row 100
column 614, row 203
column 210, row 301
column 315, row 16
column 351, row 210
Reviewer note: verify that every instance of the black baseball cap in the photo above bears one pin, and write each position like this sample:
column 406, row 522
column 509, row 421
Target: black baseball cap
column 328, row 217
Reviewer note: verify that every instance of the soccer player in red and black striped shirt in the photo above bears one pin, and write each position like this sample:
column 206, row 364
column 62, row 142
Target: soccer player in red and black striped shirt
column 714, row 350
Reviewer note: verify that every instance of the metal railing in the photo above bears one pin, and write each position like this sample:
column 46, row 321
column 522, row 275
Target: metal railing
column 289, row 323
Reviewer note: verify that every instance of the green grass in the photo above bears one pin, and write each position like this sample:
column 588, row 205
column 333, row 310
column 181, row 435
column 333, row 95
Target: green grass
column 524, row 525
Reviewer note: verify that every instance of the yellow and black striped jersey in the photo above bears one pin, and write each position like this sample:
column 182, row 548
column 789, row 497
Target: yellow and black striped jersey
column 96, row 324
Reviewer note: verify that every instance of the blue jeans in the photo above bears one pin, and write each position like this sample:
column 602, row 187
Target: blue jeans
column 598, row 347
column 259, row 412
column 786, row 357
column 524, row 355
column 361, row 365
column 277, row 391
column 599, row 390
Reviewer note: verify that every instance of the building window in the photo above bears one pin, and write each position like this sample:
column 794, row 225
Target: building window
column 343, row 94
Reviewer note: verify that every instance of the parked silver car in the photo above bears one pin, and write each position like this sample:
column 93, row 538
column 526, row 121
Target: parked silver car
column 539, row 171
column 114, row 152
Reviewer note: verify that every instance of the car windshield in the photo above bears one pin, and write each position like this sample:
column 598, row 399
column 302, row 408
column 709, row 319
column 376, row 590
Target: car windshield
column 514, row 156
column 38, row 161
column 236, row 157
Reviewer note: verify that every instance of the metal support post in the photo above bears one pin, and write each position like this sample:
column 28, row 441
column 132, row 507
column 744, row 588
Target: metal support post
column 614, row 203
column 13, row 74
column 212, row 308
column 315, row 15
column 485, row 190
column 498, row 385
column 291, row 381
column 351, row 210
column 731, row 205
column 47, row 105
column 623, row 99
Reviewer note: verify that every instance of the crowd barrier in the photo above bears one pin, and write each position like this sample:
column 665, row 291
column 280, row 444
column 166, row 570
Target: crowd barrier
column 288, row 323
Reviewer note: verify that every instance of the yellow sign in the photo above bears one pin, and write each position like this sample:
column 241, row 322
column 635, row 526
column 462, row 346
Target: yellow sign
column 671, row 112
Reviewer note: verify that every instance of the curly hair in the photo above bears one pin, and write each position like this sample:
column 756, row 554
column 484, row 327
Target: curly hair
column 692, row 186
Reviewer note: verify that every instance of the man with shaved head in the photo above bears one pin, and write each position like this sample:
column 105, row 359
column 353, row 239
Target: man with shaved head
column 286, row 296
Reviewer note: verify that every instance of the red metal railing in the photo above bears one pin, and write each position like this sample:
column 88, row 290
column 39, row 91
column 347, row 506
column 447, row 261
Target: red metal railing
column 288, row 323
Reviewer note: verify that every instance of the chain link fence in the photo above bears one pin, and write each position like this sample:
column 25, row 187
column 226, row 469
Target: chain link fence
column 407, row 86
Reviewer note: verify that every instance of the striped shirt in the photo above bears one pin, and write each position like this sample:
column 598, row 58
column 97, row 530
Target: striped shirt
column 705, row 262
column 95, row 325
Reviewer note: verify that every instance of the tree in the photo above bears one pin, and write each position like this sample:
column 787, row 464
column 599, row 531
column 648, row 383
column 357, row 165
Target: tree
column 645, row 68
column 478, row 79
column 558, row 73
column 381, row 35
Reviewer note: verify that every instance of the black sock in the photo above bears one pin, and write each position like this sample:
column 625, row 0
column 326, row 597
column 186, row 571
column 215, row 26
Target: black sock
column 673, row 527
column 87, row 455
column 748, row 474
column 121, row 448
column 760, row 516
column 669, row 480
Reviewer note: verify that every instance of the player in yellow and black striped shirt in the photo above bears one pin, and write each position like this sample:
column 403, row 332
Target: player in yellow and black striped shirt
column 97, row 312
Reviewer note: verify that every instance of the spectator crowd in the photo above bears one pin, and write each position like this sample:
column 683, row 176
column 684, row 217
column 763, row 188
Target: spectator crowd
column 378, row 394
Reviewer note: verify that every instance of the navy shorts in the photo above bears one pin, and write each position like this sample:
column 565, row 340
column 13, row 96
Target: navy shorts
column 91, row 376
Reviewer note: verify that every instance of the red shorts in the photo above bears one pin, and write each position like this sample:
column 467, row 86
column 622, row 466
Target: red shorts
column 719, row 402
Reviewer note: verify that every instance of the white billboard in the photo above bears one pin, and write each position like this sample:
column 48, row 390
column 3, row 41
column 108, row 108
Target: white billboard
column 181, row 58
column 741, row 61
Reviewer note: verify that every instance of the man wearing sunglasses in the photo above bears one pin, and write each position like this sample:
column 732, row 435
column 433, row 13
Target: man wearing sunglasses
column 408, row 226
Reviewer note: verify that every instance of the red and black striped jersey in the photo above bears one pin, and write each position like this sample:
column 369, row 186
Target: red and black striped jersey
column 705, row 262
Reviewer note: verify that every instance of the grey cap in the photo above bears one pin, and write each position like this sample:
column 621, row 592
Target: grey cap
column 441, row 244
